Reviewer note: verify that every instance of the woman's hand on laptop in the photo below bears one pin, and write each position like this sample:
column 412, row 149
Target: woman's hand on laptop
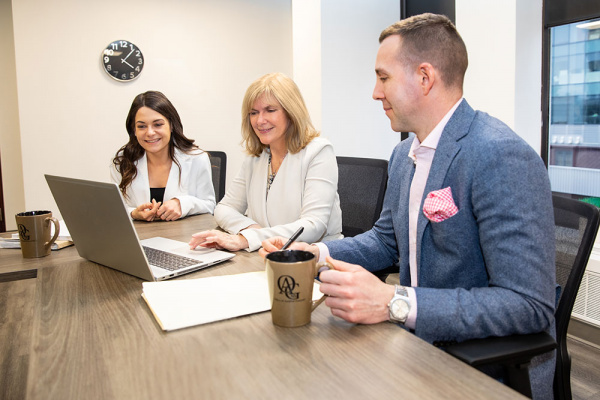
column 218, row 240
column 146, row 211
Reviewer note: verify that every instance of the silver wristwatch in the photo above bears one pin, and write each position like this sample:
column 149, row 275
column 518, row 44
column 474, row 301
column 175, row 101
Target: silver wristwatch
column 399, row 306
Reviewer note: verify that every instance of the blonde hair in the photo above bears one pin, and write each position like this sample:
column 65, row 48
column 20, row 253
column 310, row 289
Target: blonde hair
column 281, row 88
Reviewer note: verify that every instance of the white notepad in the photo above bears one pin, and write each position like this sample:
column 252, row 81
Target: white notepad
column 184, row 303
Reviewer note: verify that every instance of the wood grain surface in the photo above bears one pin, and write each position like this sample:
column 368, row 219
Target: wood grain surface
column 80, row 330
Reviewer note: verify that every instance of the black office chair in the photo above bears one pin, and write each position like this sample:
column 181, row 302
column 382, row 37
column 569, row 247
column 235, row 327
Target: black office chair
column 576, row 225
column 218, row 161
column 361, row 186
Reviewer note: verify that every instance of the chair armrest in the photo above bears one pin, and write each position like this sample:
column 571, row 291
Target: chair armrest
column 513, row 349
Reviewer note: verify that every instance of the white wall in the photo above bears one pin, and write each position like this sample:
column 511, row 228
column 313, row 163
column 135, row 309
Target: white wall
column 335, row 44
column 10, row 143
column 352, row 120
column 528, row 75
column 201, row 54
column 504, row 75
column 306, row 17
column 488, row 29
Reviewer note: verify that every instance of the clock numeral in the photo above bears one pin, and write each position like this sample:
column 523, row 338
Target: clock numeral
column 131, row 75
column 108, row 52
column 123, row 43
column 106, row 60
column 114, row 46
column 137, row 69
column 138, row 53
column 109, row 67
column 140, row 61
column 124, row 76
column 116, row 73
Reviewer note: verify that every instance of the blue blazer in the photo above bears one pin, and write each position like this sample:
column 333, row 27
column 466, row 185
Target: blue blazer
column 488, row 270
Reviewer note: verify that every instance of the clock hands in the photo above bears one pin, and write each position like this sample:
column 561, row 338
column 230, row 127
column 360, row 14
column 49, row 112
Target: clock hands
column 123, row 59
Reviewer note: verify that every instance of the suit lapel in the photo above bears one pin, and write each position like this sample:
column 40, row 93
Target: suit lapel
column 404, row 202
column 171, row 189
column 258, row 189
column 405, row 168
column 447, row 149
column 141, row 185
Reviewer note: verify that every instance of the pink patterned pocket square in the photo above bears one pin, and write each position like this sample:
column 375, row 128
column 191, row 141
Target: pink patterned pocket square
column 439, row 205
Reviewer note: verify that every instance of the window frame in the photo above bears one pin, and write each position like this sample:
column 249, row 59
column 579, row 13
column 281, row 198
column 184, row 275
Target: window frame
column 557, row 13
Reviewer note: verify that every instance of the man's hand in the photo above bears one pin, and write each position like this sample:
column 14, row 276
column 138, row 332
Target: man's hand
column 218, row 240
column 355, row 294
column 277, row 242
column 170, row 210
column 146, row 211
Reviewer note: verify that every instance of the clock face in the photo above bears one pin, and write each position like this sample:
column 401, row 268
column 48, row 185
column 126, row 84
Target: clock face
column 122, row 60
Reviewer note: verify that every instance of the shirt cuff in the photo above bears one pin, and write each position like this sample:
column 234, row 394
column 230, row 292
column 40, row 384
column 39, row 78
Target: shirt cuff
column 251, row 236
column 323, row 251
column 411, row 320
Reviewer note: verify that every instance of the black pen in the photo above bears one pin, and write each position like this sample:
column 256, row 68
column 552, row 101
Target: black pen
column 294, row 237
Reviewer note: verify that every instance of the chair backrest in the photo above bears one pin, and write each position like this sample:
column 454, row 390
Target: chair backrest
column 361, row 187
column 218, row 161
column 576, row 225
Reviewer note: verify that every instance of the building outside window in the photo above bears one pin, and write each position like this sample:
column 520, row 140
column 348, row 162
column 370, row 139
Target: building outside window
column 574, row 128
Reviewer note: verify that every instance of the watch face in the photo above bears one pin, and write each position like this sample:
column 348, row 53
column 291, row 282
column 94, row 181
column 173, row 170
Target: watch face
column 122, row 60
column 400, row 309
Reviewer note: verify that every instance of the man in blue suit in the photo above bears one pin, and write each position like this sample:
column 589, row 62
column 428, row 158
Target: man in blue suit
column 467, row 213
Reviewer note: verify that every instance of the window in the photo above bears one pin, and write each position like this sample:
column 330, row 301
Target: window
column 574, row 109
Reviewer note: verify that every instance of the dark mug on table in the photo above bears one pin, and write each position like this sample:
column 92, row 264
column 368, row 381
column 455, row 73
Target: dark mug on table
column 34, row 232
column 291, row 275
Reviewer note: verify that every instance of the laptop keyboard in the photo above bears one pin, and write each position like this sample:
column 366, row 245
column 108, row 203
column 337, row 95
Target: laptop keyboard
column 169, row 261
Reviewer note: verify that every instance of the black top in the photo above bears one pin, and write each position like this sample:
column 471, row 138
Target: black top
column 157, row 194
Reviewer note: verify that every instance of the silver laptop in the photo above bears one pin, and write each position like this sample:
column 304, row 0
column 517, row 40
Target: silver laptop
column 103, row 232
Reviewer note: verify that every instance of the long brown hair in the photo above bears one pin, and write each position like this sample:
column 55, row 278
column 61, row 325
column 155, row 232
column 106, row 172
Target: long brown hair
column 127, row 155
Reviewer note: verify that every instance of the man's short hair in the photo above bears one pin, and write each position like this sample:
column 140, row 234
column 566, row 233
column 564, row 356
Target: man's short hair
column 434, row 39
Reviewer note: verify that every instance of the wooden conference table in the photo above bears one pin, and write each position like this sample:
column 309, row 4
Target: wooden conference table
column 79, row 330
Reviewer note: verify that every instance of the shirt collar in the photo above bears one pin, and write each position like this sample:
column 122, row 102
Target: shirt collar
column 432, row 140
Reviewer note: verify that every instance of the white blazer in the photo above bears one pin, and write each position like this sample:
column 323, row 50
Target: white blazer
column 195, row 190
column 304, row 193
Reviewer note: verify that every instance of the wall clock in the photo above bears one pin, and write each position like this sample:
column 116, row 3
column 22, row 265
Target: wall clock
column 122, row 60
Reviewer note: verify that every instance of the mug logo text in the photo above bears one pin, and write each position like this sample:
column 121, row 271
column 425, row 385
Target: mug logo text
column 23, row 232
column 286, row 285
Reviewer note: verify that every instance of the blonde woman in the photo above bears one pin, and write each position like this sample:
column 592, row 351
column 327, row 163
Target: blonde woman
column 287, row 181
